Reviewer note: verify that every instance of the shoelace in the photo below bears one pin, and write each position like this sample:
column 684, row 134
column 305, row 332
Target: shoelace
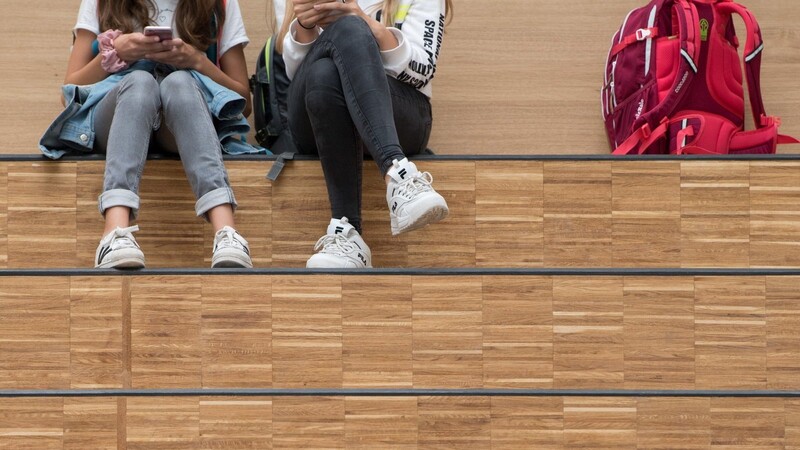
column 334, row 244
column 227, row 238
column 123, row 237
column 420, row 182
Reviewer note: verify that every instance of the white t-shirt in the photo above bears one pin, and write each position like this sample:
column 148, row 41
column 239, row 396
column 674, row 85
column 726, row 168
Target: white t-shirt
column 419, row 32
column 233, row 32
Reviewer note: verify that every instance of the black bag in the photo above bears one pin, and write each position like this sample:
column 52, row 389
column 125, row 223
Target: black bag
column 270, row 86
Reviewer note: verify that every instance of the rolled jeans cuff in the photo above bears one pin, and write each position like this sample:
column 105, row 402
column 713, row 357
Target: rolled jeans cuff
column 118, row 197
column 217, row 197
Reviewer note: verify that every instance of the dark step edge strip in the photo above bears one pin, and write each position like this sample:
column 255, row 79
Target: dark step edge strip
column 563, row 157
column 233, row 392
column 610, row 272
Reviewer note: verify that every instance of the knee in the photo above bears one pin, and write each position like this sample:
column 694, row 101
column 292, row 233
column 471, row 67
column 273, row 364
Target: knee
column 350, row 28
column 140, row 88
column 179, row 89
column 324, row 87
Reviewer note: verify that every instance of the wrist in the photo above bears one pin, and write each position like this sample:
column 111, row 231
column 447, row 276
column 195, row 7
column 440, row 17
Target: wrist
column 312, row 27
column 111, row 62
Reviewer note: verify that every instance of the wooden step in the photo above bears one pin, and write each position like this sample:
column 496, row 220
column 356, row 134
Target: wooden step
column 228, row 423
column 289, row 330
column 491, row 94
column 504, row 213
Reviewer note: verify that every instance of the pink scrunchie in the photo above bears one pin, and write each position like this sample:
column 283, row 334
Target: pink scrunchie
column 111, row 62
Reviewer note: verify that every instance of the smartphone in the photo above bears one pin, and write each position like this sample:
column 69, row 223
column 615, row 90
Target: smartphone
column 163, row 33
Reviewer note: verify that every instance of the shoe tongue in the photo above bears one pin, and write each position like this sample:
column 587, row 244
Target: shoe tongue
column 403, row 171
column 339, row 227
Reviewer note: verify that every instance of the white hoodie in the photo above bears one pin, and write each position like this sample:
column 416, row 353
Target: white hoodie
column 419, row 33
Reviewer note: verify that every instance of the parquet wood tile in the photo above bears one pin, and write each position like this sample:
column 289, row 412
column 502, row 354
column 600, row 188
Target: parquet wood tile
column 518, row 332
column 715, row 214
column 236, row 423
column 783, row 332
column 307, row 332
column 670, row 423
column 646, row 214
column 455, row 422
column 34, row 333
column 91, row 423
column 165, row 330
column 386, row 423
column 747, row 424
column 588, row 339
column 377, row 306
column 659, row 332
column 236, row 332
column 308, row 422
column 32, row 424
column 98, row 353
column 171, row 423
column 578, row 214
column 509, row 213
column 525, row 423
column 730, row 333
column 447, row 332
column 601, row 423
column 774, row 220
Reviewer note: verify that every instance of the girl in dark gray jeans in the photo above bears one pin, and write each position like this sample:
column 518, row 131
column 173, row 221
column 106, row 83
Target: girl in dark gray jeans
column 364, row 82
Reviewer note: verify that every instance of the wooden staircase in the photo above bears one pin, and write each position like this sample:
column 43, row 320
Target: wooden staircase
column 585, row 303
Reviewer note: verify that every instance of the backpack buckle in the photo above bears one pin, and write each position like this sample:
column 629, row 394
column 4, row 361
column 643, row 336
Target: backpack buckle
column 643, row 33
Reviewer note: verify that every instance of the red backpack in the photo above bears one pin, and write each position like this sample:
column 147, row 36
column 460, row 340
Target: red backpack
column 673, row 82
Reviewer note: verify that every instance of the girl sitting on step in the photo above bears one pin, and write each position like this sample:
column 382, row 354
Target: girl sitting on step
column 361, row 74
column 126, row 88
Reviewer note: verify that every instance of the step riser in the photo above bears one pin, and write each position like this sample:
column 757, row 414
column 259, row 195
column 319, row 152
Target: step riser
column 400, row 332
column 424, row 422
column 503, row 214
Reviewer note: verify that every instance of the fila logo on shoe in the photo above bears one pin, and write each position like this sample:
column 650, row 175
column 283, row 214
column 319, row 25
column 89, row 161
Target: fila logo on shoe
column 339, row 230
column 402, row 173
column 363, row 260
column 394, row 207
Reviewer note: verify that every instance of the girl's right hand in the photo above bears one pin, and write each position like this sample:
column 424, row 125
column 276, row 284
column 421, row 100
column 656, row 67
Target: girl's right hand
column 132, row 47
column 306, row 14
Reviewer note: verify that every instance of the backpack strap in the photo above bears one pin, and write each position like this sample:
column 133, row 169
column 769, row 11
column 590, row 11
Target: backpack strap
column 766, row 126
column 653, row 125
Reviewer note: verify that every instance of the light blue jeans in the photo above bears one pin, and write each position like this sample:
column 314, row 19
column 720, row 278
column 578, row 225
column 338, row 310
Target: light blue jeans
column 130, row 115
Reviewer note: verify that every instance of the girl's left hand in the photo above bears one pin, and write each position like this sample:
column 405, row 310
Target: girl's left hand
column 337, row 9
column 179, row 54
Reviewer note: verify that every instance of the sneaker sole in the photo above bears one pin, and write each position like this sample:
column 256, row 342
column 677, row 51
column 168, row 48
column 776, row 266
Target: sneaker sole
column 330, row 262
column 230, row 263
column 433, row 215
column 124, row 263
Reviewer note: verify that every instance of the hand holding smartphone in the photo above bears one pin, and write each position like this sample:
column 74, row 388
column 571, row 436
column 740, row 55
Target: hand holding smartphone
column 163, row 33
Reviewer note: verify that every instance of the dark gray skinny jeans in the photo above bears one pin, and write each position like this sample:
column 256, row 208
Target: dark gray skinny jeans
column 341, row 101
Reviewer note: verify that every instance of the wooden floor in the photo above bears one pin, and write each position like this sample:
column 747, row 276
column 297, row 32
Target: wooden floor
column 399, row 423
column 526, row 85
column 504, row 214
column 450, row 332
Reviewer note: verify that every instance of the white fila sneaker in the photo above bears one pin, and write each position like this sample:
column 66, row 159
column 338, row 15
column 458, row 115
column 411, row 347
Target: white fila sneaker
column 119, row 250
column 412, row 201
column 341, row 248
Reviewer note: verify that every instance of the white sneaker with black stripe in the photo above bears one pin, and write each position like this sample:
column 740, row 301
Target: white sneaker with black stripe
column 230, row 250
column 341, row 248
column 119, row 250
column 413, row 203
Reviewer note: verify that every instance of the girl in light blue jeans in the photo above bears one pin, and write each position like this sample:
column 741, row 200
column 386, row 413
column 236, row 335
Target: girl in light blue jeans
column 167, row 104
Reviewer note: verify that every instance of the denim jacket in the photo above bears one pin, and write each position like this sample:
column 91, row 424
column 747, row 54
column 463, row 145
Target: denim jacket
column 73, row 129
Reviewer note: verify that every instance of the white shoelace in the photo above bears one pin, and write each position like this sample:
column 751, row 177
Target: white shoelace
column 123, row 238
column 334, row 244
column 420, row 182
column 227, row 238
